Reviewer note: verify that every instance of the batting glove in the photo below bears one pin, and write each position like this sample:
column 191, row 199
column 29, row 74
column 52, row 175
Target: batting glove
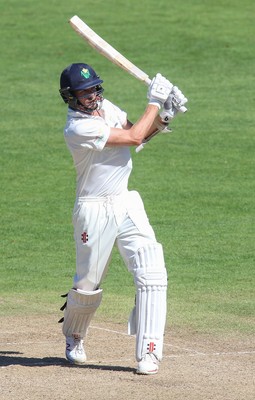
column 174, row 104
column 169, row 111
column 159, row 90
column 178, row 99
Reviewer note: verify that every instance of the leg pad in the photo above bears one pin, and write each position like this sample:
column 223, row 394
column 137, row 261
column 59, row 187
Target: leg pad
column 81, row 307
column 150, row 278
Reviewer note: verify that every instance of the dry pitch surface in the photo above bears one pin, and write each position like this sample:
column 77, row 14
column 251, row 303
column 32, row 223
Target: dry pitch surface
column 32, row 365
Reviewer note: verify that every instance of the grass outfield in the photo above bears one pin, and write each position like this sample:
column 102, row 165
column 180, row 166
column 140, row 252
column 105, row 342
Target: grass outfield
column 197, row 184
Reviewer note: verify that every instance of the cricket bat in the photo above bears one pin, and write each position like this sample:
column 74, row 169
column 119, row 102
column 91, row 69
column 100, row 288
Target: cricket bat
column 104, row 48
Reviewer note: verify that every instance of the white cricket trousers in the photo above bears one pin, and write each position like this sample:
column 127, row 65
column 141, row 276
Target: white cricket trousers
column 99, row 224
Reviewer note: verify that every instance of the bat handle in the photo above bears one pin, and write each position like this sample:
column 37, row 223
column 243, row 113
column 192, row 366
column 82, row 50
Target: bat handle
column 147, row 81
column 140, row 147
column 183, row 109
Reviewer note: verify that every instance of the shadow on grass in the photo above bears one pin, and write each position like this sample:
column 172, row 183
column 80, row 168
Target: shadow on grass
column 8, row 358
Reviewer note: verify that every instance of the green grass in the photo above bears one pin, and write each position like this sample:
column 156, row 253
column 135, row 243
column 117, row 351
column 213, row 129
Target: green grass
column 197, row 183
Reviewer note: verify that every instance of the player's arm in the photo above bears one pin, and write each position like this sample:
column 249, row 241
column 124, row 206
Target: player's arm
column 133, row 135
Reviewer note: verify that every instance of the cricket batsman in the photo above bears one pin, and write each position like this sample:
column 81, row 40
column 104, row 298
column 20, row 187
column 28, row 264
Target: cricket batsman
column 99, row 136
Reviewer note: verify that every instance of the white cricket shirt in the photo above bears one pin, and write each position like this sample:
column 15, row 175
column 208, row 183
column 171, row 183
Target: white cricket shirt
column 101, row 171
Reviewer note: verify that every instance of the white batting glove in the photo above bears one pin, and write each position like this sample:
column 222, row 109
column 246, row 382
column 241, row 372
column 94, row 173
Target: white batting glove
column 174, row 104
column 169, row 111
column 159, row 90
column 178, row 99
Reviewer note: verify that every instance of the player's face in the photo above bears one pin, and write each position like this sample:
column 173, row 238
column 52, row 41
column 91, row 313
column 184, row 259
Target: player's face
column 88, row 97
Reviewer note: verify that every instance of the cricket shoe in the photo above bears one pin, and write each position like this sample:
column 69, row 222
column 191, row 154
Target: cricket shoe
column 74, row 350
column 149, row 365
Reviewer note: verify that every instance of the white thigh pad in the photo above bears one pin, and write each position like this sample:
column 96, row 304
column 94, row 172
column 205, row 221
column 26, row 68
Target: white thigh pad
column 80, row 308
column 150, row 278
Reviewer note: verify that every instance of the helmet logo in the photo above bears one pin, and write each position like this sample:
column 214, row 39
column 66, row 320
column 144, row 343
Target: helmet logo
column 85, row 73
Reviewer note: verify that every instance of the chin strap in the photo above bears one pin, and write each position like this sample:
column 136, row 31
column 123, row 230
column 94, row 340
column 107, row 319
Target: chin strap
column 82, row 108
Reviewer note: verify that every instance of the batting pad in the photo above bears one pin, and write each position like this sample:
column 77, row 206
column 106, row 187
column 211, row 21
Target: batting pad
column 150, row 278
column 81, row 307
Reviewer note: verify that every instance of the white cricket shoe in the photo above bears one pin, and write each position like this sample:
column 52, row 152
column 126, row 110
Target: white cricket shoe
column 148, row 365
column 74, row 350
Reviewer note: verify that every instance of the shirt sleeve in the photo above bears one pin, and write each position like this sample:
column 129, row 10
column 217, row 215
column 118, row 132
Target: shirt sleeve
column 122, row 115
column 88, row 133
column 111, row 110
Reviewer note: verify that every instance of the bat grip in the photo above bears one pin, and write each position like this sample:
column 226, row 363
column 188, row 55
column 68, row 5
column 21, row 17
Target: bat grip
column 139, row 148
column 183, row 109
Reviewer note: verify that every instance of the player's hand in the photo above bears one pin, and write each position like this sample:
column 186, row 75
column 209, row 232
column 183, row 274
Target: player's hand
column 178, row 98
column 169, row 111
column 159, row 90
column 174, row 104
